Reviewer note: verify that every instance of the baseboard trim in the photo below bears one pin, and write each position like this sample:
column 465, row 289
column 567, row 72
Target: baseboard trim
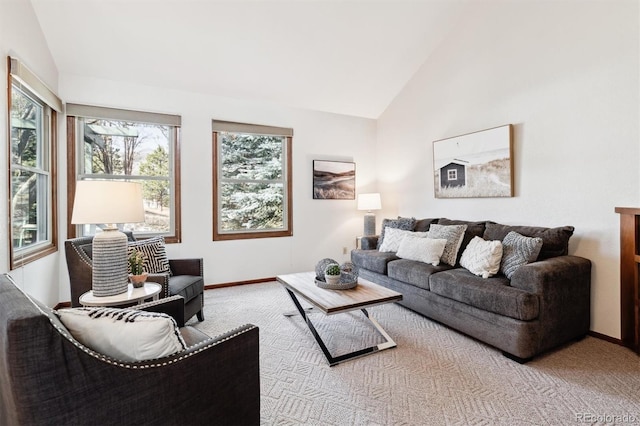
column 236, row 283
column 605, row 337
column 595, row 334
column 62, row 305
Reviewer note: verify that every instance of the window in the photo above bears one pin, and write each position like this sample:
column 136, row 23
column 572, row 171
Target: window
column 115, row 144
column 32, row 166
column 251, row 181
column 452, row 174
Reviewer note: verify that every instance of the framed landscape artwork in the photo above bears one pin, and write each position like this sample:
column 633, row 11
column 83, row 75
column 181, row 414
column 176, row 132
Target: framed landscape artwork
column 334, row 180
column 474, row 165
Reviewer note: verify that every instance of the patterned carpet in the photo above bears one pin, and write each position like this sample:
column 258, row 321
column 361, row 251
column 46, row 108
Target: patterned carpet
column 435, row 376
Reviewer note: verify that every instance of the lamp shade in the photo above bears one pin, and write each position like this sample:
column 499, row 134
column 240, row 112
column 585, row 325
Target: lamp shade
column 108, row 203
column 369, row 202
column 101, row 201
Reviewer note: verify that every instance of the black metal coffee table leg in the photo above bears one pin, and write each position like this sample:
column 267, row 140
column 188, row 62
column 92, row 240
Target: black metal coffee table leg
column 389, row 343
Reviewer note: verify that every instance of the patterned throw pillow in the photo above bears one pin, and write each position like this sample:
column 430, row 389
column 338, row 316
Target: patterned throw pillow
column 454, row 235
column 394, row 236
column 518, row 250
column 482, row 257
column 555, row 241
column 421, row 249
column 124, row 334
column 154, row 252
column 404, row 223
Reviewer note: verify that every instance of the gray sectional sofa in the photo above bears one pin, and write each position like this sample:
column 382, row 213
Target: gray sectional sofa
column 545, row 304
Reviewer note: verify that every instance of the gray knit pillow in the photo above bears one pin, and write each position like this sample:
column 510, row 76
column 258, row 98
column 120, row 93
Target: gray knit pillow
column 454, row 235
column 518, row 250
column 404, row 223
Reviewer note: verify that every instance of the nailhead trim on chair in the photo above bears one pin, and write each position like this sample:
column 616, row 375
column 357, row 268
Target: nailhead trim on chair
column 83, row 256
column 156, row 302
column 187, row 353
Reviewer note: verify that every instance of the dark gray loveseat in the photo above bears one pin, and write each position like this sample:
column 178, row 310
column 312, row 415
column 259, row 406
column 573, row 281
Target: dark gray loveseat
column 545, row 304
column 49, row 378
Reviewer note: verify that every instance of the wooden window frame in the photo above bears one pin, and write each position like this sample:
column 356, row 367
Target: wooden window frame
column 72, row 173
column 20, row 258
column 225, row 236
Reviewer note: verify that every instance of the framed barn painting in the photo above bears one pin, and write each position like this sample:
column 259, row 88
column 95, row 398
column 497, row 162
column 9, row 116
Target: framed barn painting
column 334, row 180
column 475, row 165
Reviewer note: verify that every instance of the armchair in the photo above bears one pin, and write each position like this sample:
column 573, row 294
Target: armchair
column 186, row 278
column 49, row 378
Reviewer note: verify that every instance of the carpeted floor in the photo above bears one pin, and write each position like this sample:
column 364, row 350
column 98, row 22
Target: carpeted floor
column 435, row 376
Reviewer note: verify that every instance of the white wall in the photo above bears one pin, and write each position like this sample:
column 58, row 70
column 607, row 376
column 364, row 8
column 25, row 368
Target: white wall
column 21, row 38
column 565, row 73
column 321, row 228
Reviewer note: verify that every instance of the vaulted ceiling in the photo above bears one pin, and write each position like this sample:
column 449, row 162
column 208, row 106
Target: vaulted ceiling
column 343, row 56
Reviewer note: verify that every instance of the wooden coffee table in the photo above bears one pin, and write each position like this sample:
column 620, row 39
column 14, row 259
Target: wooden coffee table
column 330, row 302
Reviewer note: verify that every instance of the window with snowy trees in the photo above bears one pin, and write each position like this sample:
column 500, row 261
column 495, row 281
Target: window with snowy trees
column 252, row 181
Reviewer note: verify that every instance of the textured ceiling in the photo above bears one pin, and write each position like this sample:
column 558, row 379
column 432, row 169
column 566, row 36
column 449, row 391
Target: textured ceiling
column 348, row 57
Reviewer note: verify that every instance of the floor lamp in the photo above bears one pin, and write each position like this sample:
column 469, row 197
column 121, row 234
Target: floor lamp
column 107, row 203
column 369, row 202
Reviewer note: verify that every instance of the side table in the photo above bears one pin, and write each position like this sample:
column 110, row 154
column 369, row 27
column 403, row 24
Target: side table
column 359, row 240
column 133, row 295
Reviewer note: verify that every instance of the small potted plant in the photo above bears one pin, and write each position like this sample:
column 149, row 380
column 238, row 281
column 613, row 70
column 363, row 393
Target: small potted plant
column 136, row 264
column 332, row 274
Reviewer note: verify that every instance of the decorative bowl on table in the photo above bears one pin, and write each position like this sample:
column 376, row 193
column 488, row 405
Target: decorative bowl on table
column 321, row 266
column 347, row 278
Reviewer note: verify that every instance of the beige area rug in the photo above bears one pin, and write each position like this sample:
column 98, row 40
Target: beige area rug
column 435, row 376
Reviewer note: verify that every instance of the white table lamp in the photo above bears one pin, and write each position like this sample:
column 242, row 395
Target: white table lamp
column 107, row 203
column 369, row 202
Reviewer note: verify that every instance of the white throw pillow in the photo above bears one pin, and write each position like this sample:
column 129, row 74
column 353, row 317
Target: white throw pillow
column 427, row 250
column 482, row 257
column 124, row 334
column 393, row 237
column 454, row 235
